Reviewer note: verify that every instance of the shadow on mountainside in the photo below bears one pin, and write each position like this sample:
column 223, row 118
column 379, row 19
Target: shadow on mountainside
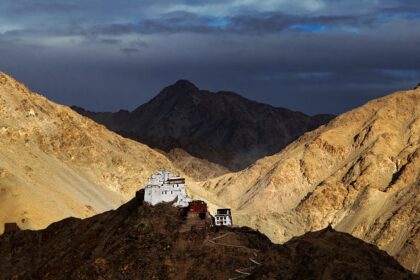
column 222, row 127
column 138, row 241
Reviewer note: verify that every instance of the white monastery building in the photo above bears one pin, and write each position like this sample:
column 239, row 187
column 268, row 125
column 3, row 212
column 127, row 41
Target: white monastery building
column 223, row 217
column 166, row 187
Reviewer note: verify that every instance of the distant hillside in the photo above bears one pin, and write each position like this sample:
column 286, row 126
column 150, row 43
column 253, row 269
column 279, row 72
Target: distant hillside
column 138, row 241
column 221, row 127
column 196, row 168
column 360, row 173
column 55, row 163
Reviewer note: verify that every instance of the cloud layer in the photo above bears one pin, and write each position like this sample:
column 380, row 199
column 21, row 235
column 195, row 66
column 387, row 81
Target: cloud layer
column 314, row 55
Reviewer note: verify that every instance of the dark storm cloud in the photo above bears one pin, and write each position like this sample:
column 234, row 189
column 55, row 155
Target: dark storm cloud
column 244, row 23
column 42, row 7
column 261, row 23
column 110, row 41
column 314, row 56
column 130, row 50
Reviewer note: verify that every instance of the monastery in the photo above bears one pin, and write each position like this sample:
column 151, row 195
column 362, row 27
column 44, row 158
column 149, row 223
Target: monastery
column 165, row 187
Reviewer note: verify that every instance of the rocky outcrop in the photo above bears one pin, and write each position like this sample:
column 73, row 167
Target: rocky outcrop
column 222, row 127
column 138, row 241
column 55, row 163
column 359, row 173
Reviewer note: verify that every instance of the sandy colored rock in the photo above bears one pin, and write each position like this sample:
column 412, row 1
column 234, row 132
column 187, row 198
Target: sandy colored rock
column 55, row 163
column 359, row 173
column 197, row 168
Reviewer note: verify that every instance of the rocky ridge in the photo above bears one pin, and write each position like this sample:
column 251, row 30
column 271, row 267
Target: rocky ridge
column 55, row 163
column 359, row 173
column 138, row 241
column 223, row 128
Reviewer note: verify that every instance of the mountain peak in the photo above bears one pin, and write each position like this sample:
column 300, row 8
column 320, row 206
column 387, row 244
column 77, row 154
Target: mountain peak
column 182, row 86
column 183, row 116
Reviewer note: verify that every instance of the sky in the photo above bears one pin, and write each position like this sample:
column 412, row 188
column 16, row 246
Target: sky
column 314, row 56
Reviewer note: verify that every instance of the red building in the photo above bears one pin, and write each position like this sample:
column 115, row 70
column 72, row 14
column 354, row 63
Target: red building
column 199, row 207
column 195, row 216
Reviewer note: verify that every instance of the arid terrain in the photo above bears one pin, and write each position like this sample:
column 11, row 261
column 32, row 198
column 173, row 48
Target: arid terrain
column 235, row 140
column 138, row 241
column 55, row 163
column 196, row 168
column 359, row 173
column 223, row 128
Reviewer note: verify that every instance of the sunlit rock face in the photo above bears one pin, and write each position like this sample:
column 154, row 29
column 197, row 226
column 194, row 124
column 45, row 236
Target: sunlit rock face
column 359, row 173
column 54, row 163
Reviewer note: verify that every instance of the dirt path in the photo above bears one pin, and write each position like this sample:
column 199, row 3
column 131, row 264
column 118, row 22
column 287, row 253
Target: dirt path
column 243, row 272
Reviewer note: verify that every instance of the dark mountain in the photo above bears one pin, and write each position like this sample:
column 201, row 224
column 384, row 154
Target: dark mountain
column 221, row 127
column 138, row 241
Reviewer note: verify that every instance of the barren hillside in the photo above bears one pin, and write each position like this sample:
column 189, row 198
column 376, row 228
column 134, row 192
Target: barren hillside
column 197, row 168
column 220, row 127
column 138, row 241
column 55, row 163
column 359, row 173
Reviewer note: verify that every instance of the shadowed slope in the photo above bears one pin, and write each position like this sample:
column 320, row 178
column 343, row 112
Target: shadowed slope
column 138, row 241
column 221, row 127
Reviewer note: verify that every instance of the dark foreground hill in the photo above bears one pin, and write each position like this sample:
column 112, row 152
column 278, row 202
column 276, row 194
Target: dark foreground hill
column 138, row 241
column 222, row 127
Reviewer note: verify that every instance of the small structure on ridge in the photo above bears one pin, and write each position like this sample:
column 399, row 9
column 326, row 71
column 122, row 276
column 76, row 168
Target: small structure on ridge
column 199, row 208
column 195, row 216
column 165, row 187
column 223, row 217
